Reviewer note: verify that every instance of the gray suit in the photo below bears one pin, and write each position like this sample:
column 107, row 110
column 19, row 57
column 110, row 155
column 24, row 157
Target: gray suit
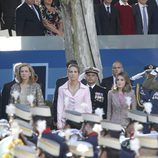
column 118, row 108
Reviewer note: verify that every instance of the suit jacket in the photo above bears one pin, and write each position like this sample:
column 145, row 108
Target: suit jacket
column 5, row 97
column 138, row 19
column 107, row 83
column 8, row 10
column 154, row 21
column 80, row 102
column 59, row 83
column 32, row 89
column 118, row 108
column 107, row 23
column 27, row 22
column 126, row 19
column 99, row 98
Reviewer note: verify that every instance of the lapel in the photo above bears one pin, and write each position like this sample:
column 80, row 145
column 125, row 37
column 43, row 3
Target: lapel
column 67, row 92
column 138, row 14
column 31, row 12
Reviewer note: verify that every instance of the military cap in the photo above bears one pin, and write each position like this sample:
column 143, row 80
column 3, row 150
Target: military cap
column 73, row 116
column 23, row 111
column 137, row 116
column 41, row 111
column 110, row 142
column 81, row 148
column 111, row 126
column 49, row 146
column 26, row 127
column 148, row 142
column 23, row 151
column 92, row 70
column 87, row 117
column 153, row 118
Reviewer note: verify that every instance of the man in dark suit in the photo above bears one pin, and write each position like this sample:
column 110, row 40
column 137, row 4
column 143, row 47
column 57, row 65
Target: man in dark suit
column 108, row 82
column 8, row 14
column 6, row 91
column 107, row 19
column 153, row 5
column 98, row 93
column 29, row 20
column 140, row 19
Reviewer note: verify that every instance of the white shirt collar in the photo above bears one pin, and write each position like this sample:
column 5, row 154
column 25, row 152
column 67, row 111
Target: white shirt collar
column 92, row 86
column 141, row 5
column 106, row 5
column 121, row 3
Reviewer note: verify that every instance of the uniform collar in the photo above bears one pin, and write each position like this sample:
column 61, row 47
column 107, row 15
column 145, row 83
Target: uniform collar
column 92, row 86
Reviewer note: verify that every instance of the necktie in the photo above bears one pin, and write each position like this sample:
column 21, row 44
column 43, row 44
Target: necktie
column 108, row 10
column 35, row 11
column 145, row 24
column 90, row 88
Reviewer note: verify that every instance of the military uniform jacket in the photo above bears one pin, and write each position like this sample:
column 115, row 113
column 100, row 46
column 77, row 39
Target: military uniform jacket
column 146, row 95
column 99, row 98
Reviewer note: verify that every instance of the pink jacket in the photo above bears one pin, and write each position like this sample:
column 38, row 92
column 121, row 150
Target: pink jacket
column 80, row 102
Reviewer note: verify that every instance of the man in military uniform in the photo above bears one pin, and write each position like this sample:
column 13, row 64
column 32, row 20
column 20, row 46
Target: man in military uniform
column 98, row 93
column 147, row 91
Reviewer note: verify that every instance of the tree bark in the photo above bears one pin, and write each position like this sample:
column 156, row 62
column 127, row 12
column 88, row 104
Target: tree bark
column 81, row 41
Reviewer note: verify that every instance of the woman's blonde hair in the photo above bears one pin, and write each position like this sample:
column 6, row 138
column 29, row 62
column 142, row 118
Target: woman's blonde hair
column 32, row 77
column 74, row 65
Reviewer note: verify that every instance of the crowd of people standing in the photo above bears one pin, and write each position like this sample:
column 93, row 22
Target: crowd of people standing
column 78, row 100
column 112, row 17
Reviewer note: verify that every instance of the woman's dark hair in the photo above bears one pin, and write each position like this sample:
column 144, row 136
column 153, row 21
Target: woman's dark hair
column 71, row 62
column 128, row 86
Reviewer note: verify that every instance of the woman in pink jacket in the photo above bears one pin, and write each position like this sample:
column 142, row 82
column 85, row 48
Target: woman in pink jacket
column 120, row 100
column 73, row 95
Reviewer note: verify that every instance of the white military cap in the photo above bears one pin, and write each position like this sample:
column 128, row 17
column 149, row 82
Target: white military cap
column 73, row 116
column 49, row 146
column 88, row 117
column 92, row 70
column 110, row 142
column 136, row 115
column 111, row 126
column 23, row 151
column 81, row 148
column 23, row 111
column 153, row 118
column 41, row 111
column 26, row 127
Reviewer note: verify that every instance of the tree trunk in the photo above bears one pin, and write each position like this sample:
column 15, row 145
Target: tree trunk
column 81, row 41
